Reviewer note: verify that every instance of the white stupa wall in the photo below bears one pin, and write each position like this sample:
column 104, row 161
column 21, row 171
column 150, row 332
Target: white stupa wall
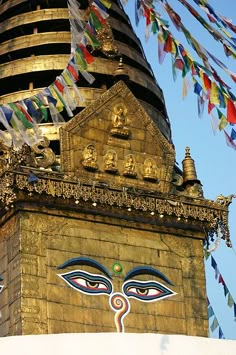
column 114, row 344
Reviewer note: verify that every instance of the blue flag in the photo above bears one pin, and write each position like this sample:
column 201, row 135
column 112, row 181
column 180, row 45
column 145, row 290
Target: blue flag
column 233, row 134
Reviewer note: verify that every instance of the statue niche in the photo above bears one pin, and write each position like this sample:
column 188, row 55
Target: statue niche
column 119, row 121
column 130, row 166
column 150, row 170
column 90, row 158
column 110, row 162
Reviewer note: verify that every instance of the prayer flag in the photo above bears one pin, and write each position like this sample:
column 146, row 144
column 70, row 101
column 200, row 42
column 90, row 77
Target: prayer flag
column 214, row 324
column 230, row 143
column 230, row 301
column 233, row 134
column 210, row 312
column 231, row 111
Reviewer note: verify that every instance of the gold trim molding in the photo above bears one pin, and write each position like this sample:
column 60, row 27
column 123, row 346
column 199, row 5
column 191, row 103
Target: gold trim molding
column 203, row 214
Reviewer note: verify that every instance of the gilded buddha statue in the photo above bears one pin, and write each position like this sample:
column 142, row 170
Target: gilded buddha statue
column 90, row 158
column 150, row 170
column 111, row 162
column 119, row 121
column 130, row 166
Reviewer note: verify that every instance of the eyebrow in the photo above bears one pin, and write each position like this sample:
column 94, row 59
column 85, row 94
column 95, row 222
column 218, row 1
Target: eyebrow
column 87, row 262
column 146, row 270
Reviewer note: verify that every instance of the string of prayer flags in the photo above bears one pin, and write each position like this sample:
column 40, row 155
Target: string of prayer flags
column 201, row 51
column 210, row 88
column 214, row 324
column 218, row 276
column 213, row 16
column 214, row 33
column 21, row 118
column 229, row 141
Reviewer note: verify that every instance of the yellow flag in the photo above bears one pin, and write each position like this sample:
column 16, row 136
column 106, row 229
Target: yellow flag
column 67, row 78
column 59, row 105
column 214, row 94
column 226, row 32
column 106, row 3
column 223, row 123
column 184, row 89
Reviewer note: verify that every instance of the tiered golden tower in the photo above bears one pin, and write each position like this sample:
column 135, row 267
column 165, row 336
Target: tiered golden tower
column 100, row 231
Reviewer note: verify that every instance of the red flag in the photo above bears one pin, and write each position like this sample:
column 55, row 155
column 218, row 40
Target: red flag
column 73, row 72
column 179, row 63
column 168, row 44
column 59, row 85
column 87, row 56
column 211, row 18
column 95, row 10
column 231, row 111
column 210, row 106
column 207, row 81
column 221, row 280
column 27, row 115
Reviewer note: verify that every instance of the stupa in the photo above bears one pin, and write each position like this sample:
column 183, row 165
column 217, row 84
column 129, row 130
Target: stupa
column 100, row 230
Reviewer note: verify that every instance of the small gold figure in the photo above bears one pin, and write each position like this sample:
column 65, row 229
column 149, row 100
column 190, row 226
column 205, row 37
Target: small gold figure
column 106, row 40
column 119, row 121
column 150, row 170
column 90, row 158
column 130, row 166
column 110, row 162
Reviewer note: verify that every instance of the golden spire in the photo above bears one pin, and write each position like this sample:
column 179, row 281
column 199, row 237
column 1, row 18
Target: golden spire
column 189, row 171
column 121, row 73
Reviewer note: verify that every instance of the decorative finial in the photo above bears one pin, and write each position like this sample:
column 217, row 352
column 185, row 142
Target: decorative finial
column 121, row 73
column 187, row 152
column 189, row 171
column 192, row 185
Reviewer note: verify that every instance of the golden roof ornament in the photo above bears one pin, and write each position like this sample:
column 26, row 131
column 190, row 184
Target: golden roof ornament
column 193, row 186
column 189, row 171
column 106, row 40
column 121, row 73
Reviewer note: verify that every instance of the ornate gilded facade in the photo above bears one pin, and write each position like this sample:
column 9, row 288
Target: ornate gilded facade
column 97, row 222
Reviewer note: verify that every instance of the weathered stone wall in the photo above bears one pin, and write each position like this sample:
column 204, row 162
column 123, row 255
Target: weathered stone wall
column 10, row 269
column 46, row 304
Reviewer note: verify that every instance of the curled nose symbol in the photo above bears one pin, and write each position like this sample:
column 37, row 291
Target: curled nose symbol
column 120, row 305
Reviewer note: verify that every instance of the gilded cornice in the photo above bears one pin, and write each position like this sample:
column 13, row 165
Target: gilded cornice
column 176, row 211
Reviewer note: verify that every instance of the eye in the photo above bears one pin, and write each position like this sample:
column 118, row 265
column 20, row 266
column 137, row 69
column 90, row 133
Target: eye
column 85, row 282
column 146, row 291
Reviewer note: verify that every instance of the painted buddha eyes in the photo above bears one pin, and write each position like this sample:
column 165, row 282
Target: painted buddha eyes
column 93, row 284
column 146, row 291
column 97, row 284
column 88, row 283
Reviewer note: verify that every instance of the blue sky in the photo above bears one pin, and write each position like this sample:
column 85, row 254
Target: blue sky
column 215, row 161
